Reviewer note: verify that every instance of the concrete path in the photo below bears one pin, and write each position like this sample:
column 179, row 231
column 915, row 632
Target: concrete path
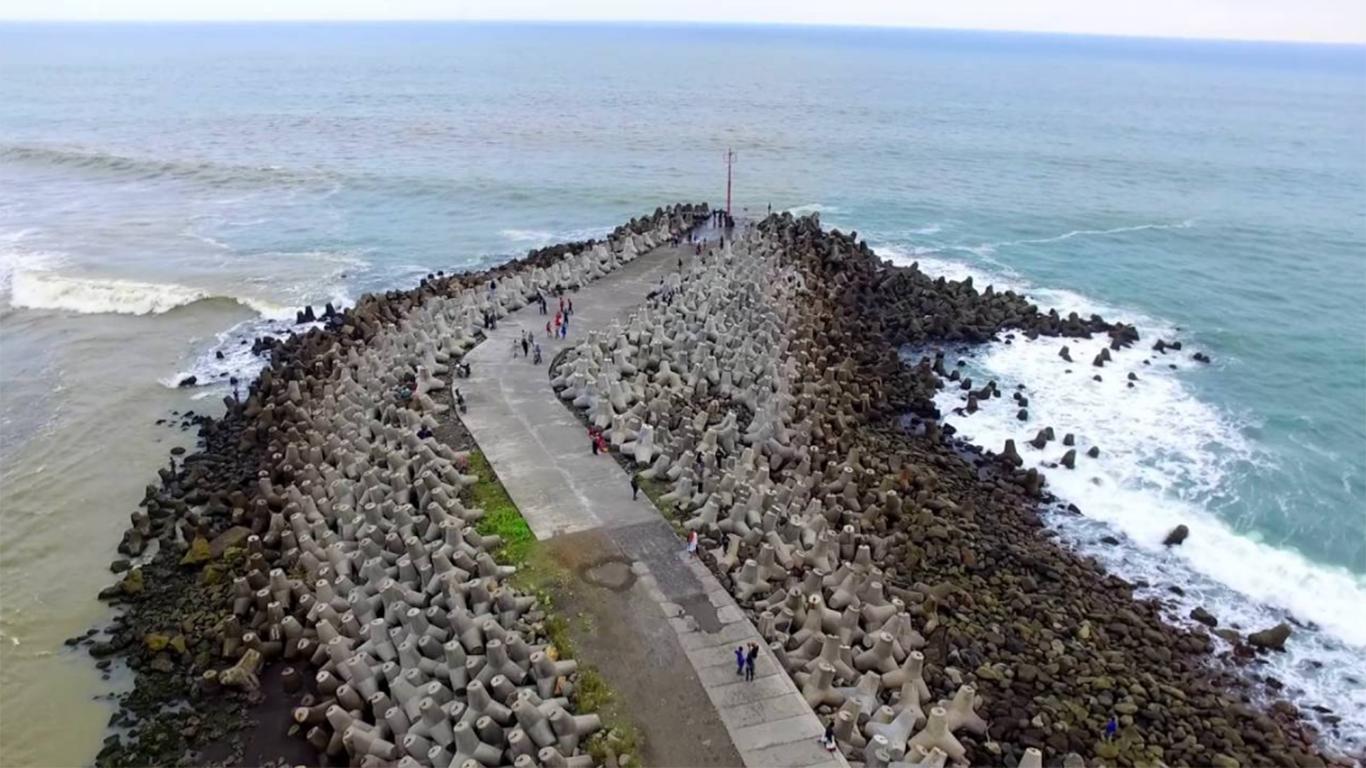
column 540, row 451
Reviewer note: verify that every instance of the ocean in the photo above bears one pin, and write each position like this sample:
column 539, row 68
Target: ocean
column 170, row 191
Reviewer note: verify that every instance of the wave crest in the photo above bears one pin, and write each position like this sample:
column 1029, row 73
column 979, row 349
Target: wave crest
column 97, row 296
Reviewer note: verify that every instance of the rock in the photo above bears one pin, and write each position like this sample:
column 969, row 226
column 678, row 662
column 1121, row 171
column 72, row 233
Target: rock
column 1102, row 358
column 1022, row 414
column 1270, row 639
column 120, row 565
column 1093, row 451
column 232, row 537
column 156, row 641
column 1069, row 439
column 198, row 552
column 188, row 381
column 1069, row 459
column 1222, row 760
column 1230, row 636
column 1200, row 357
column 1204, row 617
column 1065, row 353
column 132, row 583
column 1176, row 535
column 1111, row 540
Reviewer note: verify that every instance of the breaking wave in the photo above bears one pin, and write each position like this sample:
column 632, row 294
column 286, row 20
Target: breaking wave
column 31, row 289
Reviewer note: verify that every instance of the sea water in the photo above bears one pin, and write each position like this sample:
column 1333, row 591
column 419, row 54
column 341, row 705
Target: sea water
column 169, row 192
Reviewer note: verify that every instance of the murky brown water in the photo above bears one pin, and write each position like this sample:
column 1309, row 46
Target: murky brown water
column 80, row 397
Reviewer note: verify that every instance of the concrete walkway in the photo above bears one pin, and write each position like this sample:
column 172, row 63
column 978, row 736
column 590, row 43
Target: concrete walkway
column 540, row 451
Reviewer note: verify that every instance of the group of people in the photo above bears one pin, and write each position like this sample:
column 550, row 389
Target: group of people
column 559, row 327
column 722, row 218
column 529, row 346
column 745, row 657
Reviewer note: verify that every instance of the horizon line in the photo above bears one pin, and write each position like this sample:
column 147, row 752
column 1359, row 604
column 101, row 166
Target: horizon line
column 691, row 22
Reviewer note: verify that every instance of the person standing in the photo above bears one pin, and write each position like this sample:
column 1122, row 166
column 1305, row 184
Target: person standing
column 692, row 543
column 751, row 657
column 635, row 487
column 739, row 660
column 526, row 346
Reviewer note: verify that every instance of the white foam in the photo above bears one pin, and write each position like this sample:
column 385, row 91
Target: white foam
column 537, row 238
column 1166, row 458
column 985, row 249
column 802, row 210
column 213, row 376
column 31, row 289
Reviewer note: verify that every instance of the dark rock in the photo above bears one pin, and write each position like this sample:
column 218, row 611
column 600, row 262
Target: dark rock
column 1069, row 459
column 1093, row 451
column 1200, row 357
column 1204, row 617
column 1176, row 535
column 1065, row 353
column 1270, row 639
column 188, row 381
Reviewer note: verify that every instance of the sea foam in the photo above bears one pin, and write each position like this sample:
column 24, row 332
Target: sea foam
column 34, row 289
column 1166, row 458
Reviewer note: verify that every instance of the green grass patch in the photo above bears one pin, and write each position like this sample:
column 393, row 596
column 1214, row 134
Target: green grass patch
column 618, row 737
column 653, row 490
column 501, row 517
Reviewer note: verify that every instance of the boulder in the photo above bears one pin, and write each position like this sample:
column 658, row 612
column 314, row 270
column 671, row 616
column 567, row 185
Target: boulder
column 1204, row 617
column 1270, row 639
column 1176, row 535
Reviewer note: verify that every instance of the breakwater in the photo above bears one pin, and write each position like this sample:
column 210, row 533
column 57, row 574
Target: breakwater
column 315, row 561
column 903, row 580
column 319, row 543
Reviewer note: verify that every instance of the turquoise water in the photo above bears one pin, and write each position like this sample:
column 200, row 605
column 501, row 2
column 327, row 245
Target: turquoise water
column 1212, row 192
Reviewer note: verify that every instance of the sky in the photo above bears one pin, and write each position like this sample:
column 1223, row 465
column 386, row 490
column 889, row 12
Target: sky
column 1286, row 20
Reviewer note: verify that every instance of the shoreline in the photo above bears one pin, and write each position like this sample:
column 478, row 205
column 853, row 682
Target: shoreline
column 854, row 300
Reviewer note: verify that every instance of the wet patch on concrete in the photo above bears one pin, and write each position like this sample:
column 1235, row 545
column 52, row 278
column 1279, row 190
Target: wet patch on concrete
column 700, row 609
column 612, row 573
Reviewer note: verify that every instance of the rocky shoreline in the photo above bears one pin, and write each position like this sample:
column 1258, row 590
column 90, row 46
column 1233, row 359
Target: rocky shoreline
column 314, row 565
column 316, row 556
column 905, row 582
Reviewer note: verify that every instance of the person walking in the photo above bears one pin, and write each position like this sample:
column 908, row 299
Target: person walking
column 593, row 441
column 571, row 306
column 536, row 350
column 526, row 346
column 514, row 348
column 692, row 543
column 750, row 658
column 547, row 328
column 635, row 487
column 828, row 740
